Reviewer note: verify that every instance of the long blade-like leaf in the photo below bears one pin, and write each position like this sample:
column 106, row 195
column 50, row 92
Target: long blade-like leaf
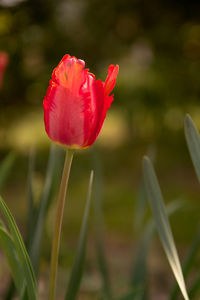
column 9, row 250
column 21, row 251
column 159, row 212
column 30, row 198
column 99, row 227
column 5, row 168
column 141, row 201
column 77, row 270
column 139, row 278
column 189, row 263
column 46, row 197
column 193, row 142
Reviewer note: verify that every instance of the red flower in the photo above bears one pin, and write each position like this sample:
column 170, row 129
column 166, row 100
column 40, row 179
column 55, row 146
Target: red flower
column 76, row 104
column 3, row 64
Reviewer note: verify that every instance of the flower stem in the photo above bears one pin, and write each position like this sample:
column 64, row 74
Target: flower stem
column 58, row 223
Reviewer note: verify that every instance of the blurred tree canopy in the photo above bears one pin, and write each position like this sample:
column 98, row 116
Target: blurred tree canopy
column 156, row 44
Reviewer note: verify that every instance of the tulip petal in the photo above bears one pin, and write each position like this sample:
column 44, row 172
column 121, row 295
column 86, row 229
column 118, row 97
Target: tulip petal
column 63, row 115
column 101, row 105
column 101, row 102
column 70, row 73
column 111, row 79
column 67, row 102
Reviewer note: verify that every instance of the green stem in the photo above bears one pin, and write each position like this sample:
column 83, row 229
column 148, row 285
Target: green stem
column 58, row 223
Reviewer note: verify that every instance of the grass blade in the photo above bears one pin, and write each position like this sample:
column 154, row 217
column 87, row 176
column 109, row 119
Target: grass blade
column 21, row 251
column 193, row 142
column 30, row 199
column 36, row 236
column 77, row 270
column 159, row 212
column 139, row 277
column 9, row 250
column 99, row 227
column 188, row 264
column 141, row 201
column 5, row 168
column 103, row 267
column 139, row 274
column 36, row 216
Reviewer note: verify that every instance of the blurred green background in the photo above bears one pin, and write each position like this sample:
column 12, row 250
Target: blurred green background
column 157, row 46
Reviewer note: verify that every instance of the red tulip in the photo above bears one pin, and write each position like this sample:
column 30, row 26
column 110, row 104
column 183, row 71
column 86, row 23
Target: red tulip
column 76, row 104
column 3, row 64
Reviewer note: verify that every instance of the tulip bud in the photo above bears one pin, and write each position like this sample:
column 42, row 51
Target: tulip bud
column 76, row 104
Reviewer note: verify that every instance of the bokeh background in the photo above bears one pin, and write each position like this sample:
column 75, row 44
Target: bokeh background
column 157, row 46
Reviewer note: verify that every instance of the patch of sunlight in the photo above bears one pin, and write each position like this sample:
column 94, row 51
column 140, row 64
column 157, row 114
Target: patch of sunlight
column 174, row 119
column 114, row 132
column 28, row 132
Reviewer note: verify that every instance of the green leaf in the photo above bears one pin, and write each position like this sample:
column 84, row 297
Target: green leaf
column 9, row 250
column 5, row 168
column 103, row 268
column 193, row 142
column 36, row 236
column 188, row 266
column 139, row 278
column 159, row 212
column 36, row 215
column 21, row 251
column 31, row 218
column 77, row 270
column 99, row 227
column 141, row 201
